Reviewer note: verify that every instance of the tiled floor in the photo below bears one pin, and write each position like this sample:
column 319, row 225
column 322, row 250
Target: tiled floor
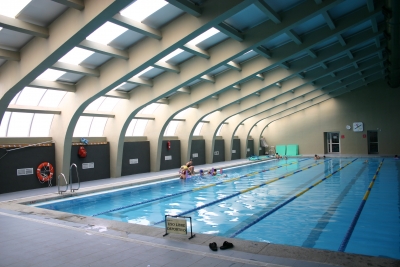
column 31, row 236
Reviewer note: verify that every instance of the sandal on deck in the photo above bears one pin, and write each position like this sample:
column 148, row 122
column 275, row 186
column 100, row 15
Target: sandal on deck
column 213, row 246
column 226, row 245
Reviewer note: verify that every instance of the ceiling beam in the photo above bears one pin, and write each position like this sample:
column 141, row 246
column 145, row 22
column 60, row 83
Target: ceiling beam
column 140, row 81
column 144, row 117
column 294, row 36
column 186, row 6
column 76, row 4
column 167, row 67
column 312, row 53
column 268, row 11
column 285, row 65
column 41, row 110
column 328, row 20
column 103, row 49
column 263, row 51
column 75, row 69
column 185, row 90
column 260, row 77
column 234, row 65
column 374, row 24
column 97, row 114
column 196, row 51
column 370, row 5
column 350, row 55
column 164, row 101
column 230, row 31
column 23, row 27
column 324, row 66
column 52, row 85
column 340, row 39
column 207, row 78
column 136, row 26
column 237, row 87
column 118, row 94
column 9, row 55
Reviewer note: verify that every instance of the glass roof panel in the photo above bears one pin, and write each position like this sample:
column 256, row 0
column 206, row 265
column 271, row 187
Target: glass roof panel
column 139, row 128
column 12, row 8
column 97, row 127
column 15, row 98
column 197, row 131
column 141, row 9
column 20, row 124
column 106, row 33
column 76, row 56
column 82, row 126
column 30, row 96
column 41, row 124
column 149, row 109
column 50, row 75
column 96, row 103
column 219, row 130
column 144, row 71
column 171, row 55
column 182, row 113
column 108, row 104
column 52, row 98
column 4, row 124
column 204, row 36
column 171, row 128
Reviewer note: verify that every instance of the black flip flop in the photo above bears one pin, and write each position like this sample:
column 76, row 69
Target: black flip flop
column 213, row 246
column 226, row 245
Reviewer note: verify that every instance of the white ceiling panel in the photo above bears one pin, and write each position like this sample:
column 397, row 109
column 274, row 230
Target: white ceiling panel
column 12, row 40
column 126, row 40
column 162, row 16
column 34, row 12
column 95, row 60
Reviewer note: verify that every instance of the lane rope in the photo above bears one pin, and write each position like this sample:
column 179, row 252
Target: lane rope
column 195, row 189
column 243, row 191
column 288, row 201
column 349, row 232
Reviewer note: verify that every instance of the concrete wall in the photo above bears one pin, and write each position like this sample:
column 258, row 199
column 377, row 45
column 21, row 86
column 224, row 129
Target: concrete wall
column 376, row 105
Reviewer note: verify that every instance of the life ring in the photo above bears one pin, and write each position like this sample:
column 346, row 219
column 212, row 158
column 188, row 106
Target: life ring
column 44, row 172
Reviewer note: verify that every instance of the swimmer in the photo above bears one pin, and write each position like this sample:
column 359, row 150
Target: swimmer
column 316, row 157
column 278, row 156
column 212, row 172
column 190, row 166
column 182, row 172
column 201, row 172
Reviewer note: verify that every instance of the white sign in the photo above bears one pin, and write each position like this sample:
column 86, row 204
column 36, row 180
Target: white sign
column 176, row 225
column 168, row 157
column 89, row 165
column 195, row 155
column 133, row 161
column 248, row 150
column 233, row 151
column 216, row 153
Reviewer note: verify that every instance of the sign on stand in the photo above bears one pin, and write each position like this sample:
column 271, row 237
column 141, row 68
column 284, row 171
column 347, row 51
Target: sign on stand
column 177, row 225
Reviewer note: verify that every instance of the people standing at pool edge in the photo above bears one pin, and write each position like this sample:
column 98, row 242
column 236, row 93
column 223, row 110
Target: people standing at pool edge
column 190, row 166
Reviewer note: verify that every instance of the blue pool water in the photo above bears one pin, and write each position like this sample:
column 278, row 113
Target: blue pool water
column 299, row 202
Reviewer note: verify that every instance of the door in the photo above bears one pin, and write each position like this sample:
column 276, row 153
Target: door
column 372, row 142
column 333, row 142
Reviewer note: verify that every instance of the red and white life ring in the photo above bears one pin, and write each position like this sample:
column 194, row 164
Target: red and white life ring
column 44, row 172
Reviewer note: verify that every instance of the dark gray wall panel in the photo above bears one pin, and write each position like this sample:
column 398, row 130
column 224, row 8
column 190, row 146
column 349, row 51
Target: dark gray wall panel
column 236, row 147
column 219, row 145
column 136, row 150
column 199, row 147
column 175, row 152
column 29, row 157
column 99, row 155
column 250, row 145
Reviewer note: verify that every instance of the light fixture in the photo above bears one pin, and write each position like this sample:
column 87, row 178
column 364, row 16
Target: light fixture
column 106, row 33
column 204, row 36
column 76, row 56
column 12, row 8
column 141, row 9
column 50, row 75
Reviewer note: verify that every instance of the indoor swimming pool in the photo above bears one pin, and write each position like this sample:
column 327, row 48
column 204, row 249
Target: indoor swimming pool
column 339, row 204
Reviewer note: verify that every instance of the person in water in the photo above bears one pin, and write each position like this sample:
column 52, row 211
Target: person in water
column 316, row 157
column 182, row 171
column 190, row 166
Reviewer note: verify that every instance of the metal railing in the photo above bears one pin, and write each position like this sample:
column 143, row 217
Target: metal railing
column 70, row 177
column 58, row 183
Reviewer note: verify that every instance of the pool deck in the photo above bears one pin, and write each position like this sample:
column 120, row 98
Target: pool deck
column 32, row 236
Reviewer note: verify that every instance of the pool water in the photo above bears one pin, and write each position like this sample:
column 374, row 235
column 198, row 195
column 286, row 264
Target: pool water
column 298, row 202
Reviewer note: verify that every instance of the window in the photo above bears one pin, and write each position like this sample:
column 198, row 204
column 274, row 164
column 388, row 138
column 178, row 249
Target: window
column 171, row 128
column 197, row 131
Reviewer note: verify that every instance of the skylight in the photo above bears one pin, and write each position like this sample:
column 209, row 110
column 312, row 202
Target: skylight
column 141, row 9
column 76, row 56
column 144, row 71
column 12, row 8
column 106, row 33
column 204, row 36
column 171, row 55
column 51, row 75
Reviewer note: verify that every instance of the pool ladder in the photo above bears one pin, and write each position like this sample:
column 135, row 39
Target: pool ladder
column 70, row 180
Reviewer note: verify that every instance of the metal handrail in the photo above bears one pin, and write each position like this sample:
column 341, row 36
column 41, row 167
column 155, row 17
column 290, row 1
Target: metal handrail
column 58, row 183
column 77, row 175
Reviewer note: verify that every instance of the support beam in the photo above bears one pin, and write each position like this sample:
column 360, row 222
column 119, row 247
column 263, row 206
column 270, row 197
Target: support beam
column 103, row 49
column 333, row 74
column 140, row 81
column 370, row 5
column 340, row 39
column 268, row 11
column 144, row 117
column 76, row 4
column 116, row 94
column 374, row 24
column 230, row 31
column 312, row 53
column 9, row 55
column 377, row 42
column 285, row 65
column 350, row 55
column 260, row 77
column 294, row 36
column 136, row 26
column 207, row 78
column 40, row 110
column 237, row 87
column 263, row 51
column 167, row 67
column 355, row 65
column 234, row 66
column 196, row 51
column 328, row 20
column 185, row 90
column 164, row 101
column 215, row 97
column 75, row 69
column 97, row 114
column 301, row 75
column 186, row 6
column 24, row 27
column 53, row 86
column 324, row 66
